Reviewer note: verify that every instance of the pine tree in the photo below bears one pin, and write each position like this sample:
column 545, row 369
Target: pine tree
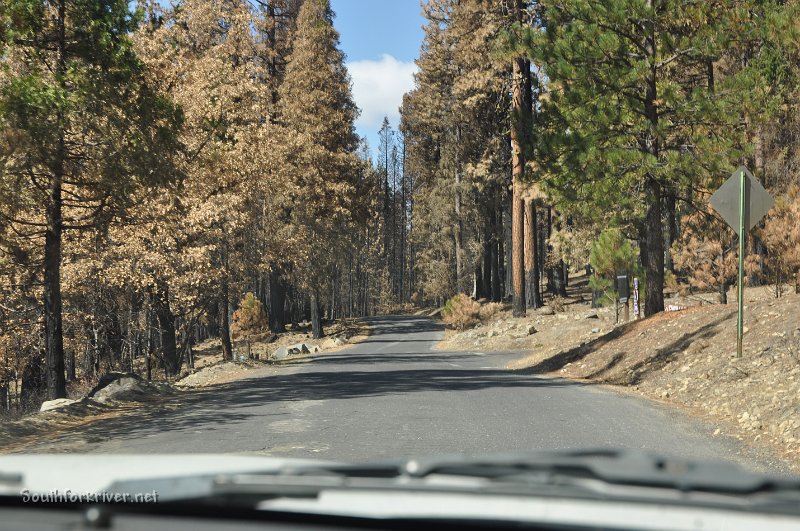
column 88, row 129
column 630, row 115
column 317, row 109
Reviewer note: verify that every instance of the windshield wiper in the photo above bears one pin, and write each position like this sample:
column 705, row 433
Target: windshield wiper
column 599, row 474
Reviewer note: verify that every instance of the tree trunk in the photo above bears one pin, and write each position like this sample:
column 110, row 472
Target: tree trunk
column 53, row 332
column 533, row 297
column 652, row 233
column 224, row 321
column 723, row 293
column 518, row 128
column 166, row 329
column 277, row 301
column 654, row 250
column 316, row 319
column 672, row 227
column 486, row 281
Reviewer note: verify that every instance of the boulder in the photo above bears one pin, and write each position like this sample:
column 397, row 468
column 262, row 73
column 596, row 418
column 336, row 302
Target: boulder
column 281, row 353
column 546, row 310
column 109, row 378
column 339, row 341
column 55, row 404
column 591, row 315
column 126, row 388
column 291, row 350
column 530, row 329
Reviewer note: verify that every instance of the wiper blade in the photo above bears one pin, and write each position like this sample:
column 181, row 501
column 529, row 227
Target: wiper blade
column 622, row 467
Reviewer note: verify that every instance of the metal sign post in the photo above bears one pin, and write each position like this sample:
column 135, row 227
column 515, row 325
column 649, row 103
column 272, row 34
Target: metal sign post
column 740, row 284
column 742, row 202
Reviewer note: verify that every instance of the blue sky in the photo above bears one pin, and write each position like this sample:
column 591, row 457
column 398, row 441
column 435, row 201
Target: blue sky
column 381, row 39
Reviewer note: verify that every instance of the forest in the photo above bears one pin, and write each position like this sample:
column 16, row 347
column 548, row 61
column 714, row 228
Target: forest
column 163, row 164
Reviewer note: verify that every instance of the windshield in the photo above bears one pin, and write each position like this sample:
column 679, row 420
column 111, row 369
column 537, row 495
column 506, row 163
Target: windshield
column 349, row 231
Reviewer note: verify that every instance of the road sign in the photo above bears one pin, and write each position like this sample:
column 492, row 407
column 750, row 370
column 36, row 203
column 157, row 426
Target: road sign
column 742, row 202
column 726, row 200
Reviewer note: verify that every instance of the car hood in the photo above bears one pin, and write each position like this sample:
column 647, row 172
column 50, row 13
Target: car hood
column 44, row 473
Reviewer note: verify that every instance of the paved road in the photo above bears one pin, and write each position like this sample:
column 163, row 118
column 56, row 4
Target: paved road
column 395, row 396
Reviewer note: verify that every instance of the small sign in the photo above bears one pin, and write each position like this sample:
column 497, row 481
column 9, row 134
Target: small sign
column 726, row 200
column 622, row 288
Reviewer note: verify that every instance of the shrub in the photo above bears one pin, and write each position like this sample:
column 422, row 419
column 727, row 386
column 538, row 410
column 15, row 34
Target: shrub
column 250, row 318
column 461, row 312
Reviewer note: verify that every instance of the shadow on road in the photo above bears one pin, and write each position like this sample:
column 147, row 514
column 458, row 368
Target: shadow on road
column 237, row 402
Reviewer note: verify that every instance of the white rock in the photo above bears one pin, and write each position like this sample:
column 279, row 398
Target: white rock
column 55, row 404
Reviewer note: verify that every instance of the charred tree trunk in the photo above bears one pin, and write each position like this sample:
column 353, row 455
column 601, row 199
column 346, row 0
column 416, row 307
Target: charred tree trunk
column 277, row 301
column 224, row 320
column 53, row 326
column 533, row 298
column 488, row 242
column 166, row 330
column 651, row 231
column 316, row 316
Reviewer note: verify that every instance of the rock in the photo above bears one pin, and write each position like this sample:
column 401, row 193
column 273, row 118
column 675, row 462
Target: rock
column 314, row 349
column 562, row 316
column 281, row 353
column 595, row 330
column 110, row 377
column 546, row 310
column 55, row 404
column 591, row 315
column 299, row 348
column 338, row 341
column 126, row 389
column 530, row 329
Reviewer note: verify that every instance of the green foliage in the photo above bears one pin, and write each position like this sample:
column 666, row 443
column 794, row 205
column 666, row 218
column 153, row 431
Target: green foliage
column 612, row 254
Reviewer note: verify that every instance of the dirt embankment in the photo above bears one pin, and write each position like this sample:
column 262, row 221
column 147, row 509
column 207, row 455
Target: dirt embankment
column 688, row 358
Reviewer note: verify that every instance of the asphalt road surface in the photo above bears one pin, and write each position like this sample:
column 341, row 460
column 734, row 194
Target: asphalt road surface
column 394, row 395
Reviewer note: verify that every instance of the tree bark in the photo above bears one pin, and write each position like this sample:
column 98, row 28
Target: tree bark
column 488, row 242
column 653, row 258
column 166, row 330
column 53, row 336
column 277, row 301
column 518, row 114
column 533, row 298
column 224, row 321
column 316, row 317
column 652, row 233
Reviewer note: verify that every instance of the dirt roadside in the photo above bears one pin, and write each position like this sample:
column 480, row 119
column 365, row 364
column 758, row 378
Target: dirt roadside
column 16, row 435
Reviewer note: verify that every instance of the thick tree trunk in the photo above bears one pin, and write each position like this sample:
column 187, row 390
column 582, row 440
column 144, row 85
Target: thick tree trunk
column 652, row 233
column 166, row 329
column 533, row 297
column 518, row 125
column 316, row 316
column 53, row 338
column 224, row 321
column 53, row 326
column 654, row 252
